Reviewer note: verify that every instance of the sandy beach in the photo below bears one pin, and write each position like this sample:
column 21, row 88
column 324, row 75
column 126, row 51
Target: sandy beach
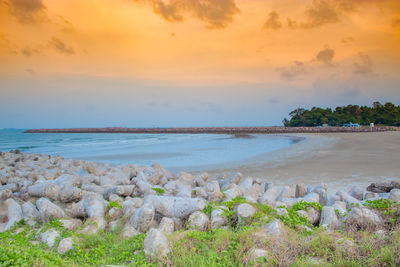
column 338, row 159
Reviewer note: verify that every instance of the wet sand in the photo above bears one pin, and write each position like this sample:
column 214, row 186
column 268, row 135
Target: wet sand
column 339, row 159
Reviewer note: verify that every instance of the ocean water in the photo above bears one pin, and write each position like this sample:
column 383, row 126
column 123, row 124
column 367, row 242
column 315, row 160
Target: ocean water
column 190, row 152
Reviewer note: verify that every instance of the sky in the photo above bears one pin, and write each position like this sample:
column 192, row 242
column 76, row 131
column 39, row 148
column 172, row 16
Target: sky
column 177, row 63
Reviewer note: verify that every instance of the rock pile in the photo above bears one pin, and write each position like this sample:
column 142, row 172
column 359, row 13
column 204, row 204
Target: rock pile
column 89, row 196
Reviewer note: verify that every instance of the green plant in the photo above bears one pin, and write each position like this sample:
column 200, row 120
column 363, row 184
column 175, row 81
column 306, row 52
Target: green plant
column 114, row 204
column 158, row 190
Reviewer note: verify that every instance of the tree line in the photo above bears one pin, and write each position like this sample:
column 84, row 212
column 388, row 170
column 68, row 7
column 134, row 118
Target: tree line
column 387, row 114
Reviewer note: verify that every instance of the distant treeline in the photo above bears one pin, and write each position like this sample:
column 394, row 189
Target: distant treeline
column 387, row 114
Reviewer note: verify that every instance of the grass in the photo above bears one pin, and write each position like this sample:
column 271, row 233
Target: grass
column 220, row 247
column 21, row 249
column 231, row 247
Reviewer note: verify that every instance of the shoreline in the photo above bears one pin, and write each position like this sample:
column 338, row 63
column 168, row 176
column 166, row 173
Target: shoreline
column 336, row 159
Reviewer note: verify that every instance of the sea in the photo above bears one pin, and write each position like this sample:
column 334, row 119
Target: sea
column 176, row 152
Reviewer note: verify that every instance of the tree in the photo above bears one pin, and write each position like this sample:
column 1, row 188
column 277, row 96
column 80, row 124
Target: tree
column 388, row 114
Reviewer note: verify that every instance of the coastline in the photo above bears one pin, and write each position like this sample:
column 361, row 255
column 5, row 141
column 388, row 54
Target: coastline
column 337, row 159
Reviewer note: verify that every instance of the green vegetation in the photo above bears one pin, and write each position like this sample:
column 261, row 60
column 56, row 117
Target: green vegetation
column 264, row 213
column 232, row 247
column 388, row 208
column 19, row 247
column 387, row 114
column 114, row 204
column 158, row 190
column 220, row 247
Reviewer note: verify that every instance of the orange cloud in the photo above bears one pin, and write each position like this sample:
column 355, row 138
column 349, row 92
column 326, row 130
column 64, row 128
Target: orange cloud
column 273, row 22
column 61, row 47
column 26, row 11
column 215, row 13
column 326, row 56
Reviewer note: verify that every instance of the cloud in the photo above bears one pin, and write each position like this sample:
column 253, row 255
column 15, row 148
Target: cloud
column 290, row 73
column 320, row 12
column 30, row 51
column 31, row 71
column 61, row 47
column 292, row 24
column 26, row 11
column 215, row 13
column 273, row 22
column 326, row 56
column 347, row 40
column 364, row 65
column 396, row 22
column 169, row 12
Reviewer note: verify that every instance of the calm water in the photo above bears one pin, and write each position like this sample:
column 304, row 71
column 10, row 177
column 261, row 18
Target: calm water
column 173, row 151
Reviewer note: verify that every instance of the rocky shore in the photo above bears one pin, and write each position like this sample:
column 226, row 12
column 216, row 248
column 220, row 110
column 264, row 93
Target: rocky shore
column 89, row 197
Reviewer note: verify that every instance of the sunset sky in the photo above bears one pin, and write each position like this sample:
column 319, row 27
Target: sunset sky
column 160, row 63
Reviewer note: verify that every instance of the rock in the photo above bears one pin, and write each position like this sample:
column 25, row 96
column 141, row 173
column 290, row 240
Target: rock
column 115, row 213
column 232, row 191
column 124, row 190
column 340, row 206
column 369, row 195
column 129, row 231
column 186, row 178
column 357, row 192
column 363, row 218
column 48, row 210
column 311, row 197
column 253, row 194
column 323, row 196
column 69, row 194
column 143, row 217
column 44, row 189
column 65, row 245
column 246, row 184
column 244, row 212
column 13, row 214
column 93, row 188
column 300, row 190
column 71, row 224
column 167, row 225
column 30, row 213
column 128, row 208
column 313, row 215
column 383, row 187
column 143, row 188
column 184, row 190
column 286, row 192
column 49, row 237
column 178, row 207
column 213, row 191
column 67, row 180
column 350, row 201
column 395, row 195
column 95, row 208
column 156, row 244
column 198, row 221
column 137, row 202
column 256, row 253
column 5, row 194
column 218, row 218
column 200, row 193
column 270, row 196
column 274, row 228
column 329, row 218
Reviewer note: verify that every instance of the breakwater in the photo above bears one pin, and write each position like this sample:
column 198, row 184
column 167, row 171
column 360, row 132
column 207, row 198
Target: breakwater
column 219, row 130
